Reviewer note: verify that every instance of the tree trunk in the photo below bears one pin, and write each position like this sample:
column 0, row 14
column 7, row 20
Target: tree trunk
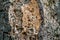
column 50, row 29
column 25, row 19
column 29, row 19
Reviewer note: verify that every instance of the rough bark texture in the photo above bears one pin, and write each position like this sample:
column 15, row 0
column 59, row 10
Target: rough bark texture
column 26, row 19
column 29, row 20
column 50, row 29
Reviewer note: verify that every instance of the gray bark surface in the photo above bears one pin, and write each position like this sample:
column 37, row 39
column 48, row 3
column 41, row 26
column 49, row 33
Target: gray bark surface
column 50, row 14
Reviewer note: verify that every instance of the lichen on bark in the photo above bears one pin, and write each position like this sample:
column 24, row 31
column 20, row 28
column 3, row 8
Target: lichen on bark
column 50, row 23
column 29, row 19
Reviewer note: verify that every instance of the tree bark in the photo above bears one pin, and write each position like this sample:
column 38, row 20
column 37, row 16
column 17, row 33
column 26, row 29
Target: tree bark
column 16, row 20
column 50, row 24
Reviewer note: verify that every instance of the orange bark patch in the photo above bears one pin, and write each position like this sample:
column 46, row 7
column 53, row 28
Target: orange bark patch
column 31, row 15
